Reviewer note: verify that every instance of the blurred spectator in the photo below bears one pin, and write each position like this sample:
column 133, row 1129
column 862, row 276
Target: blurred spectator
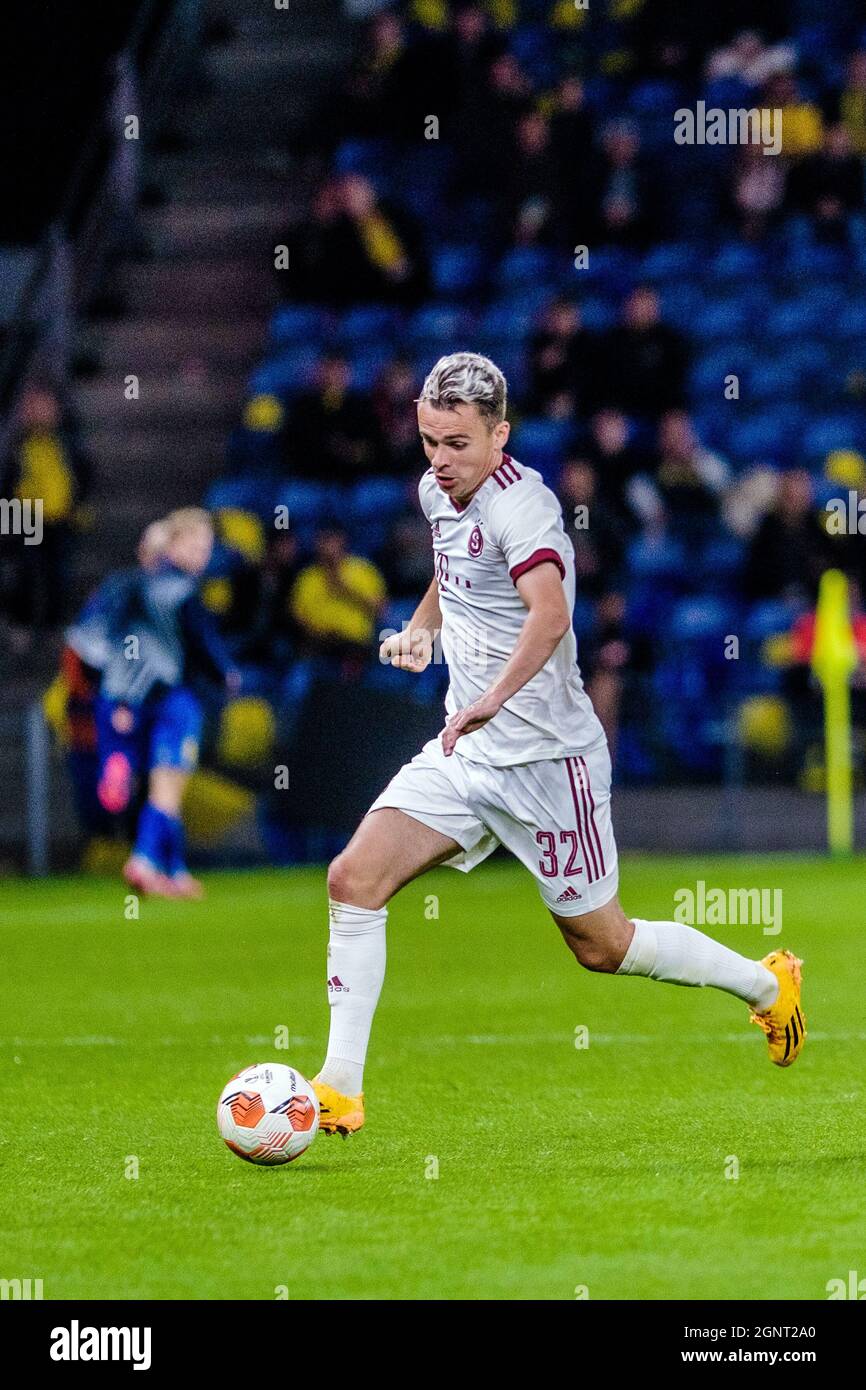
column 486, row 128
column 852, row 102
column 617, row 461
column 691, row 480
column 560, row 363
column 643, row 361
column 748, row 500
column 392, row 400
column 802, row 123
column 606, row 658
column 828, row 184
column 260, row 618
column 748, row 58
column 332, row 431
column 534, row 209
column 406, row 559
column 595, row 529
column 789, row 552
column 44, row 464
column 757, row 192
column 337, row 601
column 357, row 249
column 622, row 191
column 572, row 137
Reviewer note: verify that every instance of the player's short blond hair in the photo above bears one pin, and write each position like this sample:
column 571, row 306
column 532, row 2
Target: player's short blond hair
column 467, row 378
column 154, row 539
column 184, row 520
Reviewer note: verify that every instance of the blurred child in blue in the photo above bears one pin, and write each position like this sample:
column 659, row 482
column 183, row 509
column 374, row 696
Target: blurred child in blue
column 145, row 635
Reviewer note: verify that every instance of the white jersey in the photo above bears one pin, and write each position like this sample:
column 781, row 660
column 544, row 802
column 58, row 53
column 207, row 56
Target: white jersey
column 512, row 524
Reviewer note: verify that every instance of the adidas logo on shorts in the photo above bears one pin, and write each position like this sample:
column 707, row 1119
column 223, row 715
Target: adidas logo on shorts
column 569, row 896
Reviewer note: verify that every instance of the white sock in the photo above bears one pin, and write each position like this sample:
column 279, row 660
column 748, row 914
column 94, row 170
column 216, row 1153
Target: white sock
column 356, row 969
column 680, row 955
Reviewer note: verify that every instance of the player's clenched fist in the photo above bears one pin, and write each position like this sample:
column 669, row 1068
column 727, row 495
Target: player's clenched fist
column 410, row 650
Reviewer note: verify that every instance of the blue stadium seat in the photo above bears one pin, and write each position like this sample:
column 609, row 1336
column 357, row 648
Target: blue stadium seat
column 812, row 261
column 736, row 261
column 375, row 498
column 707, row 375
column 368, row 323
column 369, row 157
column 285, row 373
column 507, row 319
column 248, row 494
column 458, row 270
column 368, row 363
column 612, row 269
column 772, row 380
column 763, row 437
column 682, row 302
column 851, row 322
column 793, row 318
column 670, row 260
column 439, row 326
column 541, row 443
column 769, row 617
column 299, row 323
column 841, row 430
column 525, row 265
column 722, row 318
column 307, row 501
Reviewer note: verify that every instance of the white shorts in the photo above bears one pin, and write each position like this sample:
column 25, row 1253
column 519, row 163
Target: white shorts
column 553, row 815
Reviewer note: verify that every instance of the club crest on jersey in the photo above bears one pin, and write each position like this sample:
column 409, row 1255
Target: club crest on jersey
column 476, row 542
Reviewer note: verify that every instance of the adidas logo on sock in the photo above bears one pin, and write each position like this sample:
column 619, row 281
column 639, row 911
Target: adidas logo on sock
column 335, row 984
column 569, row 896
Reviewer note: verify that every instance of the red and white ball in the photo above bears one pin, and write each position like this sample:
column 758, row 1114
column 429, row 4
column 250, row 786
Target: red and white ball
column 268, row 1114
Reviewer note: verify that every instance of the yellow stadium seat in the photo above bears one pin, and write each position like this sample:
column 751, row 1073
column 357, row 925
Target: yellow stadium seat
column 213, row 806
column 243, row 531
column 765, row 725
column 263, row 414
column 216, row 594
column 246, row 733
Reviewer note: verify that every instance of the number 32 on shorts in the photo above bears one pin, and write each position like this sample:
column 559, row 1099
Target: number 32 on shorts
column 549, row 861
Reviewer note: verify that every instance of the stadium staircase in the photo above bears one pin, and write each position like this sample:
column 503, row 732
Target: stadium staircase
column 185, row 305
column 185, row 309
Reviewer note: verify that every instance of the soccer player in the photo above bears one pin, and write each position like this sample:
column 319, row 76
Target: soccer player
column 522, row 760
column 140, row 633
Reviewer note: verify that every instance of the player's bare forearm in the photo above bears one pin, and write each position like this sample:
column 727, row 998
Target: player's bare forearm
column 412, row 649
column 543, row 629
column 427, row 615
column 541, row 634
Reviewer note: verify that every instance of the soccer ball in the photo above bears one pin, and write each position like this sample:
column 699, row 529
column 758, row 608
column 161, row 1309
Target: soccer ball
column 268, row 1114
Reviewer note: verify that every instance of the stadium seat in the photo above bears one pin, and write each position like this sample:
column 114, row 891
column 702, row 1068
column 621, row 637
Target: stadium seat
column 439, row 326
column 541, row 443
column 457, row 270
column 844, row 430
column 242, row 531
column 368, row 323
column 525, row 265
column 239, row 494
column 671, row 260
column 299, row 323
column 735, row 261
column 286, row 373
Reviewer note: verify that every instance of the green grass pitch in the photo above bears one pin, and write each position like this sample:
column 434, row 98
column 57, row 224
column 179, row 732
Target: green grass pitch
column 559, row 1168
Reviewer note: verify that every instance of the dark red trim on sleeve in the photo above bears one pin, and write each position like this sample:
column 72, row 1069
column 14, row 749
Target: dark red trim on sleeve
column 538, row 557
